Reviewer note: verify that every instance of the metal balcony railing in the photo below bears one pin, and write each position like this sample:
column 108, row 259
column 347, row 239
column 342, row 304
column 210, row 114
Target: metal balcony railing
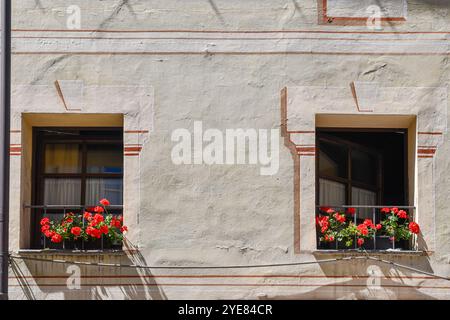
column 363, row 212
column 56, row 212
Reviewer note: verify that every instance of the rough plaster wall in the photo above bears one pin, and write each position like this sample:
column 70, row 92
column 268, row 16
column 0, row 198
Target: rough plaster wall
column 228, row 214
column 207, row 14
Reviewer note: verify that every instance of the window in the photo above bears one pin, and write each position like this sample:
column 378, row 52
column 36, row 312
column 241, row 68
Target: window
column 357, row 168
column 73, row 169
column 349, row 173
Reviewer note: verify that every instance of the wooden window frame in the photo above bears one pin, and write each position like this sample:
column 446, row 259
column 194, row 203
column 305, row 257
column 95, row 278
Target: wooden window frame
column 38, row 164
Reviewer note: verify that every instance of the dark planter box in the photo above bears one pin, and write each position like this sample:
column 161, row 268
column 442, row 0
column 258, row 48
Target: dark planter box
column 73, row 245
column 383, row 243
column 83, row 245
column 335, row 245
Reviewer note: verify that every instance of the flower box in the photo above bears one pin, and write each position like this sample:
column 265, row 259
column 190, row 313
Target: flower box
column 339, row 230
column 88, row 231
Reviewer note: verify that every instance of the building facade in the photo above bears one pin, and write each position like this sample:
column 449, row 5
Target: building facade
column 333, row 102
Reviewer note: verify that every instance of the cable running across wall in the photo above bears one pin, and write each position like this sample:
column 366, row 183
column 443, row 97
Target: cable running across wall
column 367, row 257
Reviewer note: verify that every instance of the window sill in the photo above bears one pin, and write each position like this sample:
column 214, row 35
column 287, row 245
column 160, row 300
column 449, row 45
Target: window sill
column 377, row 253
column 70, row 252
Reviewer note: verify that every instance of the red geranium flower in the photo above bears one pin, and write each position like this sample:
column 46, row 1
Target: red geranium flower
column 45, row 221
column 351, row 211
column 360, row 242
column 123, row 229
column 324, row 209
column 49, row 233
column 339, row 217
column 98, row 217
column 328, row 238
column 115, row 222
column 99, row 209
column 104, row 229
column 379, row 226
column 402, row 214
column 369, row 223
column 362, row 228
column 93, row 232
column 45, row 227
column 87, row 216
column 385, row 210
column 394, row 210
column 76, row 231
column 104, row 202
column 414, row 227
column 323, row 223
column 57, row 238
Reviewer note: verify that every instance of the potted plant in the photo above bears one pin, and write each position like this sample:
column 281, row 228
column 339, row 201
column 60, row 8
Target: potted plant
column 362, row 233
column 397, row 227
column 85, row 231
column 330, row 224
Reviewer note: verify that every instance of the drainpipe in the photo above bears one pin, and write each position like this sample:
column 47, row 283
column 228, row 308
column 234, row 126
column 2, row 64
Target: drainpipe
column 5, row 95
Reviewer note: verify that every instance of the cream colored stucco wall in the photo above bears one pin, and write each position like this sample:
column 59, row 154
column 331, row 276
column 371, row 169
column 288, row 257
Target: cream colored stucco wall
column 165, row 64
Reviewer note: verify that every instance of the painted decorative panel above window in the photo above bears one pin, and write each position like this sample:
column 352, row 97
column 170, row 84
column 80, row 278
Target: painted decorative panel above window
column 352, row 12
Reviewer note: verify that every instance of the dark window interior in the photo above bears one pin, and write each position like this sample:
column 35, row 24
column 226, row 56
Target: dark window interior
column 389, row 145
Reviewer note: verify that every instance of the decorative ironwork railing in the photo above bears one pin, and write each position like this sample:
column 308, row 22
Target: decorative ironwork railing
column 57, row 212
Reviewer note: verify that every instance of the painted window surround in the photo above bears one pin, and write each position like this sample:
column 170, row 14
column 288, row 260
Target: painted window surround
column 421, row 110
column 72, row 103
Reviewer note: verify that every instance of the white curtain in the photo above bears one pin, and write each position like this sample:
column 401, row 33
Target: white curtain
column 62, row 192
column 331, row 193
column 364, row 197
column 110, row 189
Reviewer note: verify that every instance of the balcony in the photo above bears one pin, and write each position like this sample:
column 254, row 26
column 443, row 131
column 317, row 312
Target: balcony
column 366, row 228
column 57, row 213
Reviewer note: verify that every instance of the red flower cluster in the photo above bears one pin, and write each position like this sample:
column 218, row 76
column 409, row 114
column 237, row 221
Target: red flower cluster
column 57, row 238
column 104, row 202
column 334, row 225
column 323, row 223
column 339, row 217
column 362, row 229
column 402, row 214
column 360, row 242
column 414, row 227
column 46, row 229
column 72, row 226
column 396, row 211
column 96, row 226
column 76, row 231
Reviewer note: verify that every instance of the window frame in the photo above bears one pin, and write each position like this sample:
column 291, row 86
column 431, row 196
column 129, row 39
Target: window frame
column 38, row 165
column 321, row 134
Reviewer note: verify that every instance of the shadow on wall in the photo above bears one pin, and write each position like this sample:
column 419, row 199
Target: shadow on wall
column 49, row 280
column 437, row 3
column 370, row 280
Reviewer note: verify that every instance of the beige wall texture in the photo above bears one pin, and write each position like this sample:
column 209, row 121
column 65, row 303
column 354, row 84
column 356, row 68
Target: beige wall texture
column 160, row 65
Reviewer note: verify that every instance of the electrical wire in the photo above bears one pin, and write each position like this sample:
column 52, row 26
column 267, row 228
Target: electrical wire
column 366, row 257
column 100, row 264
